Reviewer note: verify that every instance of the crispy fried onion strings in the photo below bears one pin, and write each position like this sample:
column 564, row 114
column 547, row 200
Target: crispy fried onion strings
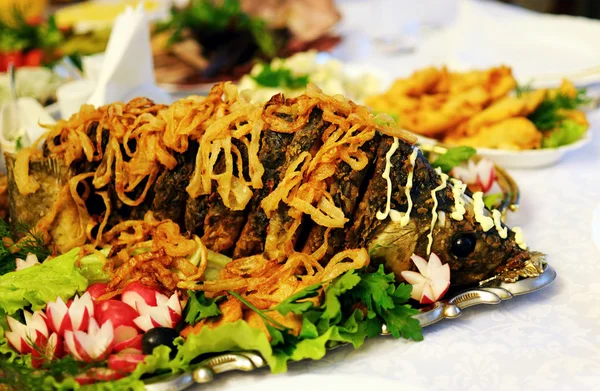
column 303, row 187
column 269, row 282
column 154, row 253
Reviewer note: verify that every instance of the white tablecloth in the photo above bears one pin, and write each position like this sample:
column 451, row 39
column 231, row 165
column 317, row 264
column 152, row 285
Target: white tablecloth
column 547, row 340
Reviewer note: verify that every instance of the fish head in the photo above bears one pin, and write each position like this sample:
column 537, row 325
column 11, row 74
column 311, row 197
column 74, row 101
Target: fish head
column 474, row 243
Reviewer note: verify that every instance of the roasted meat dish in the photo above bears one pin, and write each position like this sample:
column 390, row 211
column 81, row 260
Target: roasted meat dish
column 313, row 175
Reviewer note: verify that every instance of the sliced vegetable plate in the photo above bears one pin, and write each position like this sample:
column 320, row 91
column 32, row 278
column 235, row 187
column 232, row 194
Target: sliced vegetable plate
column 488, row 292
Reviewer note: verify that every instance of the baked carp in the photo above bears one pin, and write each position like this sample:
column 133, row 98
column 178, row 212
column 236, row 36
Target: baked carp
column 293, row 176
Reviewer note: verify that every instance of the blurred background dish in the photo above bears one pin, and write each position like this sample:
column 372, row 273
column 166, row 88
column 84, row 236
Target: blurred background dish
column 488, row 110
column 205, row 42
column 291, row 75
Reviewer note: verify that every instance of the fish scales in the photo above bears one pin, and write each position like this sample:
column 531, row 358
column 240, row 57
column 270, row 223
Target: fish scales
column 280, row 221
column 272, row 157
column 222, row 226
column 345, row 190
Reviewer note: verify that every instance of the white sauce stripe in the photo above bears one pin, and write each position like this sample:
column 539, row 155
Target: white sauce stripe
column 386, row 175
column 404, row 218
column 458, row 192
column 519, row 237
column 502, row 230
column 486, row 222
column 434, row 214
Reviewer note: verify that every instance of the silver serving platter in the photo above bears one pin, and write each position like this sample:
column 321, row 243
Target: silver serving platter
column 489, row 292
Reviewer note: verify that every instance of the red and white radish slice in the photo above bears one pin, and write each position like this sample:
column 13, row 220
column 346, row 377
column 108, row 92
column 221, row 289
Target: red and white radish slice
column 432, row 280
column 125, row 362
column 47, row 350
column 486, row 174
column 136, row 292
column 72, row 316
column 119, row 313
column 21, row 336
column 30, row 260
column 95, row 345
column 96, row 290
column 132, row 345
column 166, row 313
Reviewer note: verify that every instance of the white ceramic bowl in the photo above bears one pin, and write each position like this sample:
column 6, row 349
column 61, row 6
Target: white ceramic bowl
column 533, row 158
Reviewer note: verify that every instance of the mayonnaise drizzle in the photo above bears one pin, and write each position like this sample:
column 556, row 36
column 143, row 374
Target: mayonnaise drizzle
column 386, row 175
column 519, row 237
column 458, row 191
column 434, row 214
column 404, row 218
column 486, row 222
column 502, row 230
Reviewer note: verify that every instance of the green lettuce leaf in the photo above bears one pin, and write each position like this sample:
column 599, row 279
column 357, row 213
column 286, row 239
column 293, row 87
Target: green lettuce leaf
column 229, row 337
column 92, row 267
column 566, row 133
column 216, row 262
column 40, row 284
column 453, row 157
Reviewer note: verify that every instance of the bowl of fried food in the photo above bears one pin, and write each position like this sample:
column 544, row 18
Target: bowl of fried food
column 515, row 126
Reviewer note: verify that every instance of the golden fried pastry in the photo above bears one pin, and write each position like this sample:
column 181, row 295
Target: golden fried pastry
column 512, row 133
column 507, row 107
column 434, row 101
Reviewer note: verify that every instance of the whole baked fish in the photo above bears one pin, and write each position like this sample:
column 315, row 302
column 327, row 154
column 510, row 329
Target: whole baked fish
column 395, row 205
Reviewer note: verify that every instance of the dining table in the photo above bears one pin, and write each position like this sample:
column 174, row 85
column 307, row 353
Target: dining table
column 545, row 340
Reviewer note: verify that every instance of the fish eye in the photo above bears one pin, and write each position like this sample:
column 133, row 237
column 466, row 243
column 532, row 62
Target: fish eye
column 463, row 245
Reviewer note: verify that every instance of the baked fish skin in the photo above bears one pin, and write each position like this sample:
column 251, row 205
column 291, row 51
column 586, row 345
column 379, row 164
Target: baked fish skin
column 272, row 156
column 50, row 199
column 51, row 174
column 472, row 253
column 396, row 206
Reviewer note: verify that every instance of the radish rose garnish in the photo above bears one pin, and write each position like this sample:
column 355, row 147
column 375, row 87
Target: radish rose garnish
column 136, row 292
column 22, row 337
column 481, row 174
column 30, row 260
column 431, row 282
column 47, row 350
column 95, row 345
column 166, row 313
column 73, row 316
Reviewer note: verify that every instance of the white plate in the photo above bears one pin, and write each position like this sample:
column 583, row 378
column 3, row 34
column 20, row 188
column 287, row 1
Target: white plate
column 534, row 158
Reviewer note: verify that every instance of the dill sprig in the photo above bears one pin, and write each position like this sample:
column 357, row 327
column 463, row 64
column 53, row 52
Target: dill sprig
column 17, row 242
column 20, row 376
column 549, row 115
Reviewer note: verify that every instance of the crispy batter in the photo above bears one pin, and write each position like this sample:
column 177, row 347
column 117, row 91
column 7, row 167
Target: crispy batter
column 471, row 108
column 512, row 133
column 432, row 101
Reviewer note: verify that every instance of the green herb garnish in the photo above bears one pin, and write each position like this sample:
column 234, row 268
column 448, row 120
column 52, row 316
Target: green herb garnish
column 199, row 307
column 491, row 201
column 209, row 17
column 548, row 114
column 281, row 77
column 566, row 133
column 520, row 90
column 453, row 157
column 11, row 248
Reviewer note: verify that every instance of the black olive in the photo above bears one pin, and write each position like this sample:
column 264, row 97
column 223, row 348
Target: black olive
column 158, row 336
column 463, row 245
